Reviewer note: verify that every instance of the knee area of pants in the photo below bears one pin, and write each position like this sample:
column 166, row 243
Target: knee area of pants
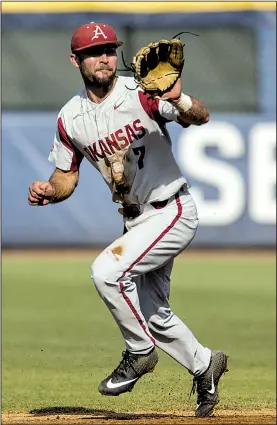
column 160, row 319
column 104, row 270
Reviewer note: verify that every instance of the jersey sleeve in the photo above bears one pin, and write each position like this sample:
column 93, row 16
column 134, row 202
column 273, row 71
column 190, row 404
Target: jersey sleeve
column 64, row 153
column 160, row 110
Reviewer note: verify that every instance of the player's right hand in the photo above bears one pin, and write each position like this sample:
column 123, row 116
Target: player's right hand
column 40, row 193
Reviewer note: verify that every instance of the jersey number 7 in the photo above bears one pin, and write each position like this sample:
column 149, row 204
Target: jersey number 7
column 141, row 152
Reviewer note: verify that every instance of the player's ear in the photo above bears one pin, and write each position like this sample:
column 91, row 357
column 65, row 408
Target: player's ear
column 74, row 60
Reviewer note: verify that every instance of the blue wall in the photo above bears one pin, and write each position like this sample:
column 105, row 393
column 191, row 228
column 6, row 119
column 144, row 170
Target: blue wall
column 244, row 146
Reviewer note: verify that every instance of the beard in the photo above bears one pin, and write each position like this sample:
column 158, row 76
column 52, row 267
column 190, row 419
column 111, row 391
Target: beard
column 92, row 79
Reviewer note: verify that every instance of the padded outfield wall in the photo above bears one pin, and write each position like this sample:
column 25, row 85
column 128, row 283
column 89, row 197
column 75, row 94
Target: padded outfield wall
column 230, row 162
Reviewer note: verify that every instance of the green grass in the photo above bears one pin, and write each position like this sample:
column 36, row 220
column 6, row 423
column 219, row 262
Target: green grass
column 59, row 340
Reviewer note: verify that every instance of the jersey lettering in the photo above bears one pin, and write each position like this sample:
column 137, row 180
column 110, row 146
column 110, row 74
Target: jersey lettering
column 95, row 153
column 87, row 149
column 112, row 143
column 139, row 129
column 121, row 139
column 130, row 133
column 117, row 141
column 104, row 148
column 98, row 32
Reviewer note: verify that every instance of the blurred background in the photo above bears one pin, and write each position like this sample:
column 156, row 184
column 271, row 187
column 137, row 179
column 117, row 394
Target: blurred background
column 58, row 338
column 230, row 162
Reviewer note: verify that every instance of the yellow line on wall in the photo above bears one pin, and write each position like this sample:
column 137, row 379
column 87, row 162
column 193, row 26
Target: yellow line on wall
column 134, row 7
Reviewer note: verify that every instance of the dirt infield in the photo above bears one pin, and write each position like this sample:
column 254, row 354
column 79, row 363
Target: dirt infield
column 86, row 416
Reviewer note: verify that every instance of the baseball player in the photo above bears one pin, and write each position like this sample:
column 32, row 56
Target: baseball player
column 122, row 132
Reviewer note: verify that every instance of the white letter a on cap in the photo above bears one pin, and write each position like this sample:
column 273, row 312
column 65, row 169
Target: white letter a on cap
column 98, row 32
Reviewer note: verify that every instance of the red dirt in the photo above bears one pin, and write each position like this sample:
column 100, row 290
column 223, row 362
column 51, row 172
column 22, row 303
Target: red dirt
column 261, row 416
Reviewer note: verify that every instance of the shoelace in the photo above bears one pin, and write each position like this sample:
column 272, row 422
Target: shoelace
column 197, row 380
column 124, row 364
column 193, row 388
column 202, row 392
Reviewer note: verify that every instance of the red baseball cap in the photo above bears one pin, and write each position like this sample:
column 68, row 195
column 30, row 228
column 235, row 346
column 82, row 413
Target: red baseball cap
column 93, row 34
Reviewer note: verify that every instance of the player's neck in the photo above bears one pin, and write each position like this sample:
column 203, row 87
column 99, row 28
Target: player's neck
column 99, row 94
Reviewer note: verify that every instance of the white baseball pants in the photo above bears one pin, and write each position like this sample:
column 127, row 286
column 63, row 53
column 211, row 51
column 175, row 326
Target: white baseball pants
column 132, row 276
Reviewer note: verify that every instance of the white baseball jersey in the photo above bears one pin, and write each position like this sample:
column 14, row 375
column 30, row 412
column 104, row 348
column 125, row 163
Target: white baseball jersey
column 127, row 121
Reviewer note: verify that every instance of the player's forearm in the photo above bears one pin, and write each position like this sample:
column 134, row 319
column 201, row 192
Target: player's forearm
column 192, row 110
column 64, row 184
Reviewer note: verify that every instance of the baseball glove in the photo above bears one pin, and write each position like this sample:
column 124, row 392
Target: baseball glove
column 157, row 67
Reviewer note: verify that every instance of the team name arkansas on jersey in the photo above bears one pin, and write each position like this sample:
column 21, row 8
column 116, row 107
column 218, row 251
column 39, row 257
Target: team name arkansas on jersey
column 116, row 141
column 127, row 122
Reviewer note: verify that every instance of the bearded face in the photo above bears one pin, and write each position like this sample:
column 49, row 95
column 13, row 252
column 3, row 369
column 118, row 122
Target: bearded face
column 98, row 65
column 100, row 76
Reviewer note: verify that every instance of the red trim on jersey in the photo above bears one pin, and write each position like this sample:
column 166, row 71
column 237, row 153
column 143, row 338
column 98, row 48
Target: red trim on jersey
column 65, row 139
column 151, row 107
column 134, row 311
column 171, row 225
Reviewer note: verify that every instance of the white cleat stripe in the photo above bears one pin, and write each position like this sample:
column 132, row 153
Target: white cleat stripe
column 212, row 390
column 111, row 385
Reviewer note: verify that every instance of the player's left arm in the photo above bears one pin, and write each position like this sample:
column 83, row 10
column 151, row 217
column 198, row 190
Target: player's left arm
column 190, row 110
column 197, row 114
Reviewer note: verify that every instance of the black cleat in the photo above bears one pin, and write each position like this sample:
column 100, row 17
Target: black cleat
column 129, row 370
column 207, row 385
